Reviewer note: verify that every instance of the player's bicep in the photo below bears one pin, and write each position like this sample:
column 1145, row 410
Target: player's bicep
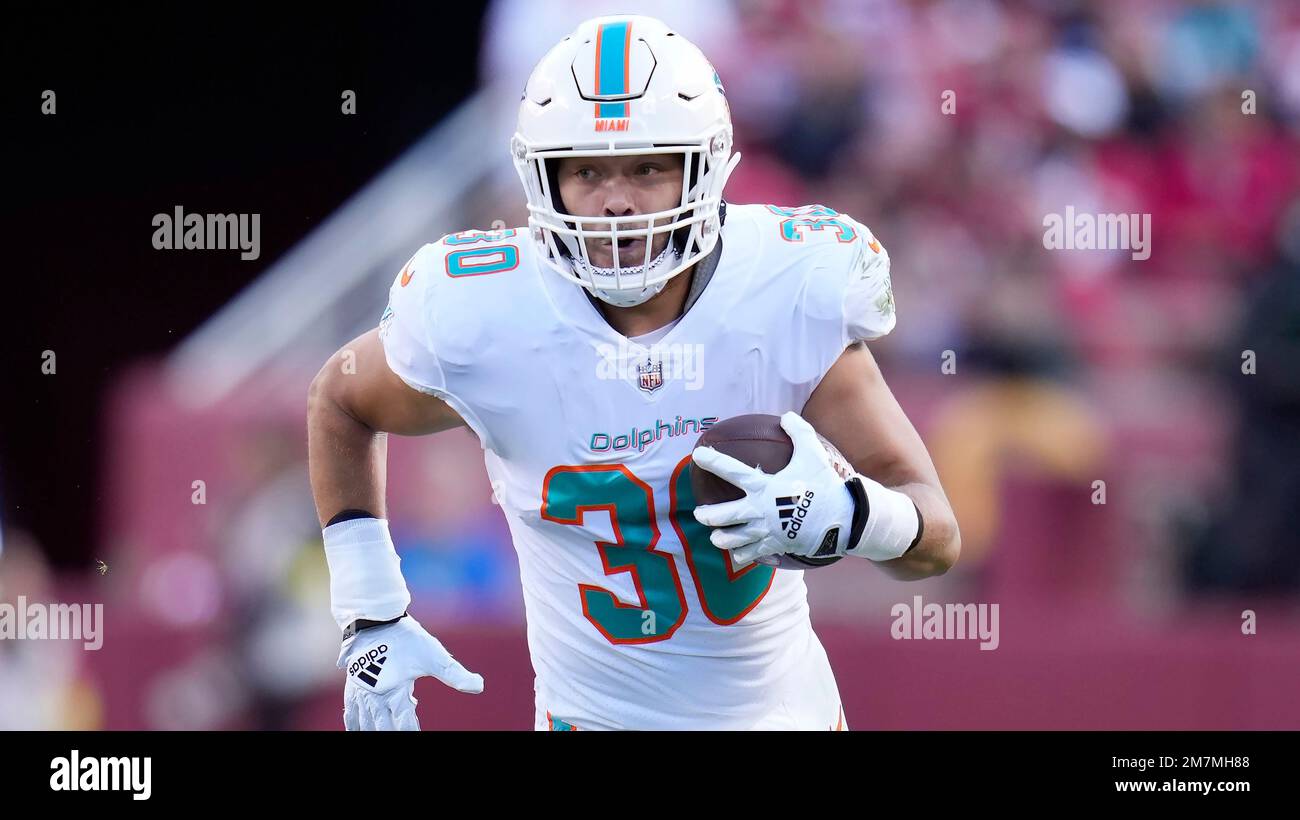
column 854, row 408
column 366, row 388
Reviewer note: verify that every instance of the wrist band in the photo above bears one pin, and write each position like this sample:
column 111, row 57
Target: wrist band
column 366, row 581
column 886, row 523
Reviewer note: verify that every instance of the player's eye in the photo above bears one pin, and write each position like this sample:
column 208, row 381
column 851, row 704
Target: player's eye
column 585, row 172
column 648, row 168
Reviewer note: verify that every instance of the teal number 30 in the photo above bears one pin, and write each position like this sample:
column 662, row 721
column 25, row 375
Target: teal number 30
column 726, row 595
column 493, row 258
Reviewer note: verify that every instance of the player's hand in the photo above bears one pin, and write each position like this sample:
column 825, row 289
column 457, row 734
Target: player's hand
column 804, row 509
column 382, row 665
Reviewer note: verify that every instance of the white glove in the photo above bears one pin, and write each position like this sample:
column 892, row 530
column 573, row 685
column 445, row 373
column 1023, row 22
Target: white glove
column 804, row 509
column 382, row 665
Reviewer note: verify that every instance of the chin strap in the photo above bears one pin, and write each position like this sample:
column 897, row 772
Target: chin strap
column 700, row 276
column 704, row 269
column 626, row 297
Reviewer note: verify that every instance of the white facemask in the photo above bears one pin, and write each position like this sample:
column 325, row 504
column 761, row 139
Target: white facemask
column 627, row 297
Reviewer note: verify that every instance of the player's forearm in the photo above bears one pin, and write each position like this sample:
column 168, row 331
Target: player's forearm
column 940, row 541
column 346, row 459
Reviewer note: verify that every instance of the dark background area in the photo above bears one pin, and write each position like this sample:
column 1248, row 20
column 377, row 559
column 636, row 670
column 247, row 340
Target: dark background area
column 219, row 109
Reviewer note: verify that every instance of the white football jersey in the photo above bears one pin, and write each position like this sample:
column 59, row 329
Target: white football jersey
column 635, row 620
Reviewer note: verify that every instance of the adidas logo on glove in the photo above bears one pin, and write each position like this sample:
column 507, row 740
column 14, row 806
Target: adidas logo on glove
column 367, row 667
column 792, row 511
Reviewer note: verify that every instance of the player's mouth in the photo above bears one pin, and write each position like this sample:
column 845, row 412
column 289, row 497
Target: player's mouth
column 631, row 251
column 624, row 244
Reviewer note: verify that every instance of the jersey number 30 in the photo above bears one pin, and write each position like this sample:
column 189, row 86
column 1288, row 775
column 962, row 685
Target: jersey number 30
column 495, row 257
column 726, row 595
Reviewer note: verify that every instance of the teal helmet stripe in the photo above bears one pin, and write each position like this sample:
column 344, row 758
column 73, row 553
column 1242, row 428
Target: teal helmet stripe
column 612, row 66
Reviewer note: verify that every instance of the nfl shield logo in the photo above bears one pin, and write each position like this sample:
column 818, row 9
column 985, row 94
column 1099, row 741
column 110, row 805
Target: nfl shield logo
column 650, row 376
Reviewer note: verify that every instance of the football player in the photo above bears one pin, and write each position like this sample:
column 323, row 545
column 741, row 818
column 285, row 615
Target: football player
column 588, row 351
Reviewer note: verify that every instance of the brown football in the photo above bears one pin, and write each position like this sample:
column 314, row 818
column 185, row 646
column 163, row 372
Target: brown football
column 757, row 440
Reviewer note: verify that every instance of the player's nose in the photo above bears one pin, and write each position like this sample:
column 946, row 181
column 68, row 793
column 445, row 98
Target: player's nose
column 620, row 192
column 618, row 201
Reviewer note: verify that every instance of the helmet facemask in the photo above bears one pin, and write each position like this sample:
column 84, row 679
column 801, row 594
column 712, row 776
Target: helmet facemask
column 692, row 226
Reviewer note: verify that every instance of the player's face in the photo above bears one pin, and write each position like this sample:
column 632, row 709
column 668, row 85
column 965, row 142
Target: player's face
column 621, row 186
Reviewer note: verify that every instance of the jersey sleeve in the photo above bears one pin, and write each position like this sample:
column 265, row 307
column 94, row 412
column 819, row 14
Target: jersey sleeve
column 830, row 283
column 868, row 291
column 406, row 327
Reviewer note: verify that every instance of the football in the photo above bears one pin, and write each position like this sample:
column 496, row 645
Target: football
column 757, row 440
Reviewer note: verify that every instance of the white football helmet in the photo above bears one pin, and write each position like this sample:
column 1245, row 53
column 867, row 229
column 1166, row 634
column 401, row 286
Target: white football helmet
column 617, row 86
